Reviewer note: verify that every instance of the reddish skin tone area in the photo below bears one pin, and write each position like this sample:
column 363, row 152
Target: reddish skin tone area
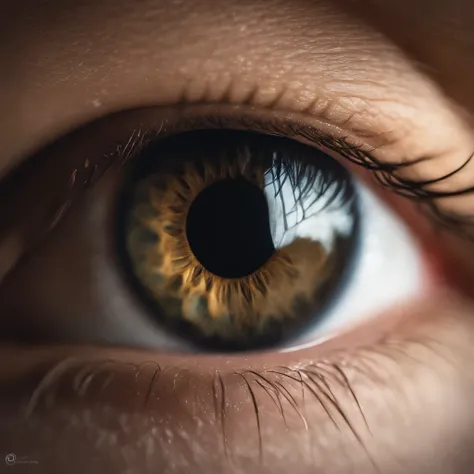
column 78, row 391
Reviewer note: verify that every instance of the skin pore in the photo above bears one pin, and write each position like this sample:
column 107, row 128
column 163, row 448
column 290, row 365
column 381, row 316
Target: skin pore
column 393, row 394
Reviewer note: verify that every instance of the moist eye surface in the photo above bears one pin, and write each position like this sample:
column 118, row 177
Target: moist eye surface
column 236, row 240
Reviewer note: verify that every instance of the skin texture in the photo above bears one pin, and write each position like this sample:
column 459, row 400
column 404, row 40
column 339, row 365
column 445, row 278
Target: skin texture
column 393, row 395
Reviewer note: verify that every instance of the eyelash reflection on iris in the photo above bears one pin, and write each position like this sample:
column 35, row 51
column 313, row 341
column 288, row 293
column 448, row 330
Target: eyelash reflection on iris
column 237, row 240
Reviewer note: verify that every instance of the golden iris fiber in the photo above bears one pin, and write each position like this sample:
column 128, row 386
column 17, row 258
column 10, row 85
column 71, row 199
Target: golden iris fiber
column 232, row 312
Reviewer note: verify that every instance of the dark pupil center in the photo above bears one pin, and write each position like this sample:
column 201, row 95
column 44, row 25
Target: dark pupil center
column 228, row 228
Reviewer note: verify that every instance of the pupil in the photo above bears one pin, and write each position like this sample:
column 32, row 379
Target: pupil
column 228, row 228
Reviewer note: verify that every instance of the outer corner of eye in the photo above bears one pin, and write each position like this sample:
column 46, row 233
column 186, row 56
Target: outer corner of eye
column 241, row 241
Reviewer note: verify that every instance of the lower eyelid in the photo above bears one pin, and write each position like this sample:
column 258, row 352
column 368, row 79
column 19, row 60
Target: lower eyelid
column 302, row 411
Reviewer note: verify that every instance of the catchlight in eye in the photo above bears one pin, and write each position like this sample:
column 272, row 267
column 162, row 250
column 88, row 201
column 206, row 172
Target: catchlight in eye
column 237, row 240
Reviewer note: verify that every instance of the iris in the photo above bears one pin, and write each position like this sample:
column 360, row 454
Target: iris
column 236, row 240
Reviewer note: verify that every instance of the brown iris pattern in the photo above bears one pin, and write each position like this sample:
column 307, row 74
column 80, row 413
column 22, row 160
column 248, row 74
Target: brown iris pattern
column 290, row 285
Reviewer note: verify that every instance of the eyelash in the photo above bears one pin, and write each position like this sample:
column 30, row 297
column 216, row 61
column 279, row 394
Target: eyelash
column 384, row 173
column 143, row 137
column 324, row 380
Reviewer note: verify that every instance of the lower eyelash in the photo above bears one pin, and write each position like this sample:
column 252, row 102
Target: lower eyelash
column 82, row 376
column 290, row 390
column 317, row 379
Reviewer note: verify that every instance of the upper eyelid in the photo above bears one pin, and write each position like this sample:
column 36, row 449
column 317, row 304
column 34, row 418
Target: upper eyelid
column 371, row 112
column 314, row 69
column 337, row 110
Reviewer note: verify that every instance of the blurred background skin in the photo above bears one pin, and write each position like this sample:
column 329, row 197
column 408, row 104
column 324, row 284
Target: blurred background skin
column 431, row 382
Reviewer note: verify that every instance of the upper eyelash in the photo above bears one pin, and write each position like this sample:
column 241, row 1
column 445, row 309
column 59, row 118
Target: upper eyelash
column 384, row 173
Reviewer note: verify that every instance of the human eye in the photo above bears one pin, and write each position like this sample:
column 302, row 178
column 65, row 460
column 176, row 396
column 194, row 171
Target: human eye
column 233, row 240
column 202, row 274
column 252, row 237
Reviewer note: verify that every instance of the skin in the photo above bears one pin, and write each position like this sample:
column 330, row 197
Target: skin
column 392, row 394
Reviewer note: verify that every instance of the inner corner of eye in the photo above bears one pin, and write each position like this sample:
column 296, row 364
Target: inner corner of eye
column 238, row 241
